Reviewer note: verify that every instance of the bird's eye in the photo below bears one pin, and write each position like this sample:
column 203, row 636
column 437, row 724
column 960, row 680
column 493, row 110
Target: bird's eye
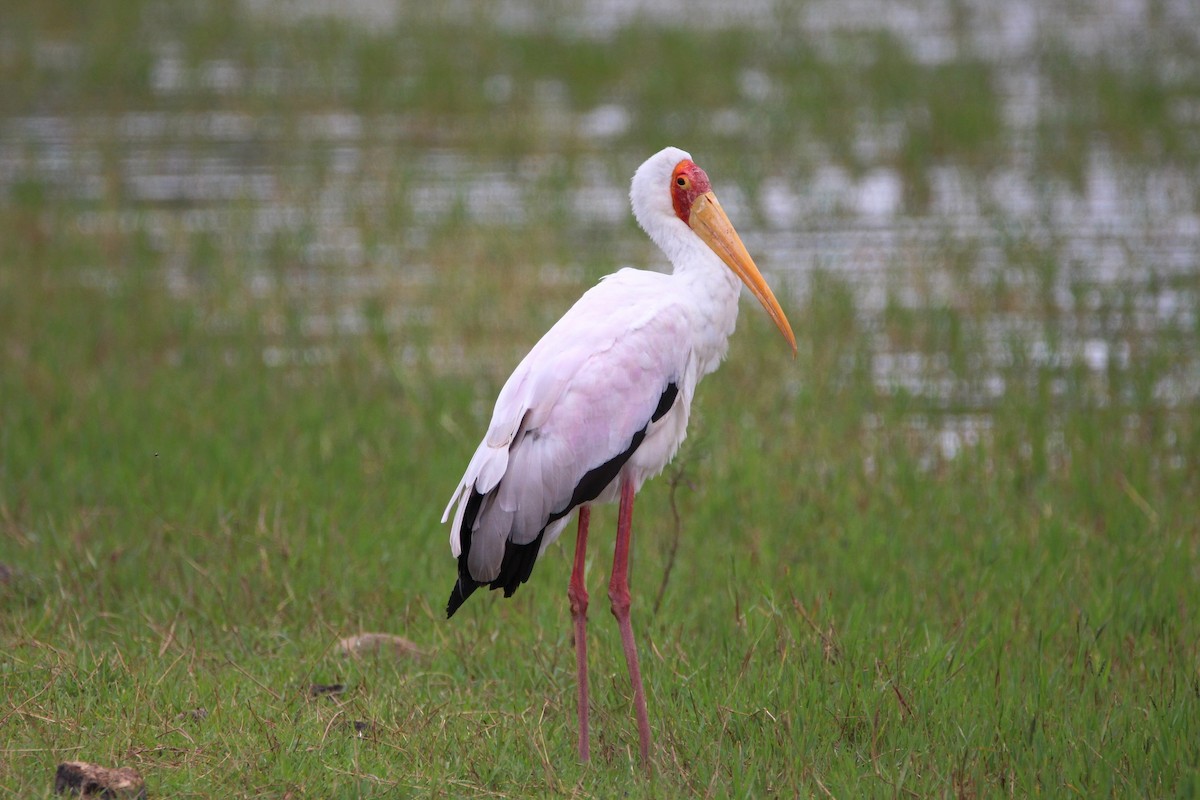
column 681, row 181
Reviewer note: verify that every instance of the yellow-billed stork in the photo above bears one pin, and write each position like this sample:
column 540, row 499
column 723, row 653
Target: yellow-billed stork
column 601, row 403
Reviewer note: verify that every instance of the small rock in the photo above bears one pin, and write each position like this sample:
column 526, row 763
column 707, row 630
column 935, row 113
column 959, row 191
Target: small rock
column 379, row 643
column 82, row 779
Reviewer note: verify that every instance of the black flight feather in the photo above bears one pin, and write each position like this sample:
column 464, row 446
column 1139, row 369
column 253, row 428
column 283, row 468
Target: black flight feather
column 518, row 561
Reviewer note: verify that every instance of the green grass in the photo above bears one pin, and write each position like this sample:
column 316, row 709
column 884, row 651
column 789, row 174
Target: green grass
column 190, row 530
column 847, row 613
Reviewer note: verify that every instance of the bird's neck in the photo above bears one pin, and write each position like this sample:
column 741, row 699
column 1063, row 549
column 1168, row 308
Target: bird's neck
column 713, row 290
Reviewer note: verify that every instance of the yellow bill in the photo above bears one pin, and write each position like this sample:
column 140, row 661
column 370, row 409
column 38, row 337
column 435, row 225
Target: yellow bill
column 709, row 222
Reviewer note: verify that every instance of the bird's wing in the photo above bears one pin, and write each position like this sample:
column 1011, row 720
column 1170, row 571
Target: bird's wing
column 568, row 417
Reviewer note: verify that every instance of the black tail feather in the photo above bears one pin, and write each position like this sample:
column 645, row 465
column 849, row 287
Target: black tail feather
column 465, row 584
column 463, row 588
column 517, row 565
column 519, row 559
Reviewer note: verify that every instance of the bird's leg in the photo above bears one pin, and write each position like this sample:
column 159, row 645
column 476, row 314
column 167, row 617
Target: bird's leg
column 577, row 591
column 618, row 593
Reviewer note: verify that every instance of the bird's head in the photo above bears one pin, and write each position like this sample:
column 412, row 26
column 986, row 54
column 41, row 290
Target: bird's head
column 688, row 183
column 673, row 201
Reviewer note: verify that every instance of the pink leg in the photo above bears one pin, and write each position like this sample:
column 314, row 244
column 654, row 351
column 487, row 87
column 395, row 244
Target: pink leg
column 577, row 591
column 618, row 592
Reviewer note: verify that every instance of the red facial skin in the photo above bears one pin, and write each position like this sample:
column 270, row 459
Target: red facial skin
column 688, row 182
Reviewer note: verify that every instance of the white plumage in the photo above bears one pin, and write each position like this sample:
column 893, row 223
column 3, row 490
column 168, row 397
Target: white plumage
column 602, row 400
column 574, row 403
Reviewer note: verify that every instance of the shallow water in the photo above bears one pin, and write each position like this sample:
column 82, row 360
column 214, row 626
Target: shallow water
column 1099, row 257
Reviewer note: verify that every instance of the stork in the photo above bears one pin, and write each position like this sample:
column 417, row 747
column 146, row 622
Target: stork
column 601, row 404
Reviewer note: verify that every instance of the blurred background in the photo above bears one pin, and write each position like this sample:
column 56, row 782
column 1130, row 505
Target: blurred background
column 1028, row 170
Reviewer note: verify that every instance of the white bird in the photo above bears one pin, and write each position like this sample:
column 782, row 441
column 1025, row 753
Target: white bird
column 601, row 403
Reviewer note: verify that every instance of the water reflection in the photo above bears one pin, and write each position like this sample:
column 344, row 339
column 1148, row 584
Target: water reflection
column 329, row 176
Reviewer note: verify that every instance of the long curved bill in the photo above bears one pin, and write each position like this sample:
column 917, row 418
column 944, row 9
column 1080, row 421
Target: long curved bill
column 709, row 222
